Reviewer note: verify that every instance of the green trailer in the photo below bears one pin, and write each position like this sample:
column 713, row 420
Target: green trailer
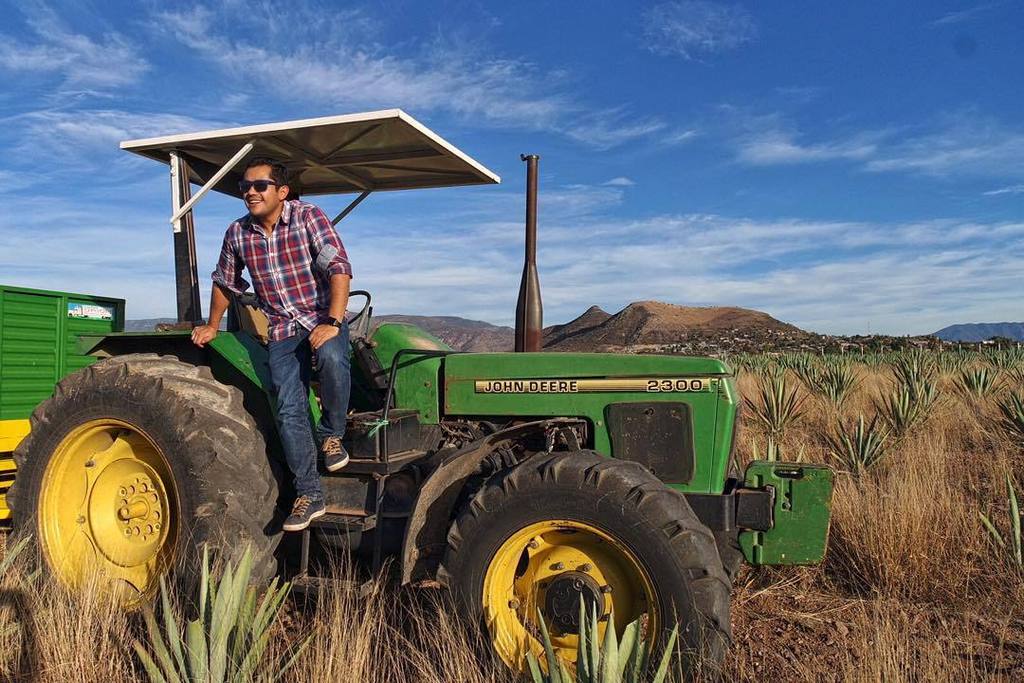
column 524, row 482
column 41, row 341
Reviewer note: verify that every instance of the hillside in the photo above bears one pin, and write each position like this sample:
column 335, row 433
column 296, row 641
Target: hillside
column 649, row 325
column 976, row 332
column 591, row 318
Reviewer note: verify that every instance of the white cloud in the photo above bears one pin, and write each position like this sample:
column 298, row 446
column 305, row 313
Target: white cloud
column 779, row 147
column 338, row 70
column 680, row 137
column 340, row 66
column 603, row 130
column 79, row 60
column 694, row 28
column 963, row 144
column 1011, row 189
column 960, row 16
column 620, row 181
column 956, row 144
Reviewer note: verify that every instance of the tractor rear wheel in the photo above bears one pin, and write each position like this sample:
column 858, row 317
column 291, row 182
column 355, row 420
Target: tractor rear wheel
column 133, row 465
column 569, row 526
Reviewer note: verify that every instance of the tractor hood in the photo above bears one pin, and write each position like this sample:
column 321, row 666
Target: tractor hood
column 567, row 383
column 482, row 366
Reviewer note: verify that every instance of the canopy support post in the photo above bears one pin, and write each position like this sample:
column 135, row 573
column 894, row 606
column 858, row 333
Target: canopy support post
column 186, row 276
column 351, row 207
column 187, row 206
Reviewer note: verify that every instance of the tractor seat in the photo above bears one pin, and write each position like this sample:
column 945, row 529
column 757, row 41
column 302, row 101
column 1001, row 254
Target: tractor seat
column 249, row 318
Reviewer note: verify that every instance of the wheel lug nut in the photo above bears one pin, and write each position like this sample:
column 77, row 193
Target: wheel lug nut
column 81, row 519
column 606, row 589
column 558, row 566
column 533, row 545
column 152, row 497
column 585, row 567
column 90, row 463
column 123, row 491
column 513, row 603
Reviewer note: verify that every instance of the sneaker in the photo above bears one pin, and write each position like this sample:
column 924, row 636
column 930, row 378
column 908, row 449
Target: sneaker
column 335, row 456
column 304, row 511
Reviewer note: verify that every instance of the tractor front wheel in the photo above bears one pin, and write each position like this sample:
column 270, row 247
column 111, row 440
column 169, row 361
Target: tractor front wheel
column 565, row 527
column 132, row 465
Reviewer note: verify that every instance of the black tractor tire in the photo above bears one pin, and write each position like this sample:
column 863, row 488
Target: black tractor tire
column 225, row 485
column 624, row 500
column 729, row 550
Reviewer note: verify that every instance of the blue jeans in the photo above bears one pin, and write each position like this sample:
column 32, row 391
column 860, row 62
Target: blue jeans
column 292, row 363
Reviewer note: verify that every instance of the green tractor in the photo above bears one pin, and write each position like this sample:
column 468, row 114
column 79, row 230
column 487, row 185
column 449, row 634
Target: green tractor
column 523, row 482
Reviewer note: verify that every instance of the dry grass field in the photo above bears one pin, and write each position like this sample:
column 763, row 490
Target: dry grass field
column 913, row 588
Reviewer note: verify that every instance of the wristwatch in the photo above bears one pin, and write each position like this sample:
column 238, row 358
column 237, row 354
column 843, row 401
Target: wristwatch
column 333, row 322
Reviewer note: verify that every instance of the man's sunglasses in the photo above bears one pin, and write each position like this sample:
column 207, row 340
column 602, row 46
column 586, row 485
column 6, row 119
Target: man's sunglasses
column 260, row 185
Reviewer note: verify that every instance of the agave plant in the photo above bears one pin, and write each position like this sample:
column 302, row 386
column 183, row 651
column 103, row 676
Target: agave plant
column 859, row 448
column 1011, row 417
column 227, row 640
column 835, row 382
column 907, row 406
column 605, row 661
column 1011, row 545
column 913, row 367
column 808, row 373
column 779, row 405
column 952, row 362
column 1004, row 360
column 1013, row 378
column 871, row 359
column 976, row 383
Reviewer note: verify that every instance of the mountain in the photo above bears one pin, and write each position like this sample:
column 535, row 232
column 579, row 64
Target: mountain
column 146, row 324
column 976, row 332
column 459, row 333
column 591, row 318
column 657, row 324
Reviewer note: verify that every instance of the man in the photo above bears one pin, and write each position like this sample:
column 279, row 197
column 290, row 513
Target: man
column 300, row 273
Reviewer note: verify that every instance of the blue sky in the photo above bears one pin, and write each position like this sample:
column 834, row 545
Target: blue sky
column 847, row 167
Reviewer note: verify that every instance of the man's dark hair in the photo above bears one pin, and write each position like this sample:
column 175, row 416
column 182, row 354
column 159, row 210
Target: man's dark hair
column 278, row 173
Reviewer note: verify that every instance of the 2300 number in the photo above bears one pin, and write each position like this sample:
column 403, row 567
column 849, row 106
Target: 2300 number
column 658, row 385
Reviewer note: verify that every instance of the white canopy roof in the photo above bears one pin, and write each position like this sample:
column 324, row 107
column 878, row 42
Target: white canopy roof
column 381, row 150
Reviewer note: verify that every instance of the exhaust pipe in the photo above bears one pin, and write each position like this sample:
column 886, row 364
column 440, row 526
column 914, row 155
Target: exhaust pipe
column 529, row 310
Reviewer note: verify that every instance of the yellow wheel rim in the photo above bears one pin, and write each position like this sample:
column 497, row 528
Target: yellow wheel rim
column 108, row 511
column 549, row 566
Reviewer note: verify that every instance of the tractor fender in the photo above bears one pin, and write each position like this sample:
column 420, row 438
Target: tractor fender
column 427, row 529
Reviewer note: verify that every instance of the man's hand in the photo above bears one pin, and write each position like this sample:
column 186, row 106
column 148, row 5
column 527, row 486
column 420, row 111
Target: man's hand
column 320, row 334
column 203, row 334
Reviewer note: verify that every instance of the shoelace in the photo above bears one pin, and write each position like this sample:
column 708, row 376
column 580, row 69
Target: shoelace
column 302, row 504
column 332, row 447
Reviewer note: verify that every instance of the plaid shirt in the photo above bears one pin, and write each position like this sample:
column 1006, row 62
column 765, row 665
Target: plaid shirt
column 291, row 270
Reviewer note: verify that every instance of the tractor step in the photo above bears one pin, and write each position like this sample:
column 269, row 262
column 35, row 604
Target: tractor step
column 345, row 520
column 395, row 462
column 366, row 433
